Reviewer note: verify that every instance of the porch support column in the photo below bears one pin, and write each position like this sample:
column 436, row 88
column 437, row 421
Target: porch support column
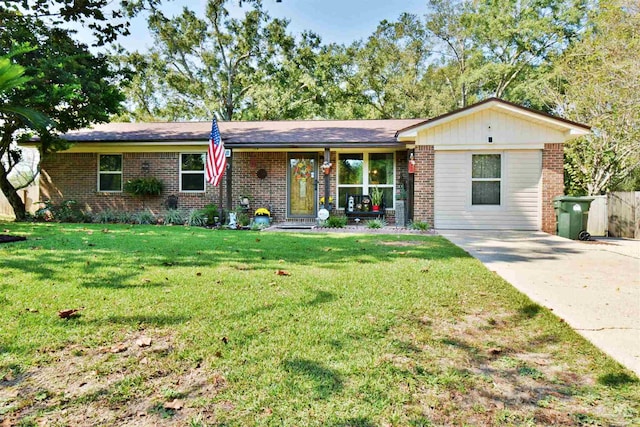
column 552, row 183
column 228, row 185
column 327, row 180
column 423, row 183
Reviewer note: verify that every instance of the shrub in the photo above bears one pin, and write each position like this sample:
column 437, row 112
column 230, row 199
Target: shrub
column 107, row 216
column 67, row 211
column 173, row 217
column 143, row 217
column 148, row 186
column 197, row 218
column 211, row 212
column 420, row 225
column 376, row 223
column 336, row 221
column 124, row 217
column 243, row 219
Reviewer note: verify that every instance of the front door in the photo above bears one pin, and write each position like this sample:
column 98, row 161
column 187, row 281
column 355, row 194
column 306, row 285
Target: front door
column 301, row 176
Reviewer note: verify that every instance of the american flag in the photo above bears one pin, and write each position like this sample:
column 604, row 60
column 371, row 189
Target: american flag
column 216, row 161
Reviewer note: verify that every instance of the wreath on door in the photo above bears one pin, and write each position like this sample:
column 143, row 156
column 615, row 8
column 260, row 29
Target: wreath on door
column 302, row 170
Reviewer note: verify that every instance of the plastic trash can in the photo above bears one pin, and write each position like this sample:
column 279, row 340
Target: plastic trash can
column 572, row 214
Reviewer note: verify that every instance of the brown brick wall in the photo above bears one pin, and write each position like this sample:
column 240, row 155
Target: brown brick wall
column 423, row 183
column 552, row 183
column 268, row 192
column 73, row 176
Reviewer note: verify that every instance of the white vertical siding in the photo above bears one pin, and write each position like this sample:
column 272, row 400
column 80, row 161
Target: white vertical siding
column 520, row 208
column 506, row 129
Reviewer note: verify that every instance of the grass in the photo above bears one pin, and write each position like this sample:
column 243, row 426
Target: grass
column 254, row 328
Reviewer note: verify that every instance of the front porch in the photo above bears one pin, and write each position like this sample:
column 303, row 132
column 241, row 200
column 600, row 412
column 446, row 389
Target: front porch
column 296, row 185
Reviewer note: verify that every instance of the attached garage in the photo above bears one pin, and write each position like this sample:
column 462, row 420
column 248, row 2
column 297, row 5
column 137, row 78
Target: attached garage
column 494, row 166
column 487, row 189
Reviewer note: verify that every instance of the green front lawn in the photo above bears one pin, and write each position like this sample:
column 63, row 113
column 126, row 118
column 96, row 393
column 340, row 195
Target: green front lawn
column 189, row 326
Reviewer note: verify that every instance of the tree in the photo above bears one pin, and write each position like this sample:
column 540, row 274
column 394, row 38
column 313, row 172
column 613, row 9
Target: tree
column 500, row 47
column 390, row 69
column 105, row 22
column 12, row 78
column 454, row 53
column 65, row 83
column 204, row 65
column 598, row 82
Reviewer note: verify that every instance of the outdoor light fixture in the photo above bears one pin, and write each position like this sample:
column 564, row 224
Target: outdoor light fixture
column 489, row 136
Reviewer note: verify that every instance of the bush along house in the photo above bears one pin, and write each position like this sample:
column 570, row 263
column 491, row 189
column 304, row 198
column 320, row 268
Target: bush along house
column 492, row 165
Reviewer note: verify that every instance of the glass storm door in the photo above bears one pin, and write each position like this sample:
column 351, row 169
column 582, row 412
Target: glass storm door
column 301, row 177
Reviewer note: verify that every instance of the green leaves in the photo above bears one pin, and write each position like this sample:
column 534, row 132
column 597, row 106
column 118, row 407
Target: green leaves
column 599, row 86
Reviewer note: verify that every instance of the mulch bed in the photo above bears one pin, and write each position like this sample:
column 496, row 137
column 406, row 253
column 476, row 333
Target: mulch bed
column 5, row 238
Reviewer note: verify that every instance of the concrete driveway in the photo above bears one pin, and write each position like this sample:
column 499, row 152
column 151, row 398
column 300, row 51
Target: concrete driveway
column 594, row 286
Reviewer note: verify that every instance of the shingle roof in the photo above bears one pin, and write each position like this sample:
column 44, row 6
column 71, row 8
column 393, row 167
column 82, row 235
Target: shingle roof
column 258, row 133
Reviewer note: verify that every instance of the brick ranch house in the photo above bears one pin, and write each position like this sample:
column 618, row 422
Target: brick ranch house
column 492, row 165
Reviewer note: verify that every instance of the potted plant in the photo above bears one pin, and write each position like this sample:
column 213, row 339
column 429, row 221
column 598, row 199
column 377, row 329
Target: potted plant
column 328, row 206
column 147, row 186
column 262, row 216
column 376, row 198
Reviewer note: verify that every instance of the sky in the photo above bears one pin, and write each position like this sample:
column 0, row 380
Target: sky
column 336, row 21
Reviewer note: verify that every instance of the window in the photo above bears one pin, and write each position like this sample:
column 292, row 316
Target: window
column 192, row 172
column 110, row 172
column 358, row 172
column 485, row 179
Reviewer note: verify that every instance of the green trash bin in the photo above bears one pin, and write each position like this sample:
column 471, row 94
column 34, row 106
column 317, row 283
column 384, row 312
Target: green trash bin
column 572, row 214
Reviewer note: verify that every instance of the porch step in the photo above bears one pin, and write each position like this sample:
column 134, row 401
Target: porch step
column 295, row 226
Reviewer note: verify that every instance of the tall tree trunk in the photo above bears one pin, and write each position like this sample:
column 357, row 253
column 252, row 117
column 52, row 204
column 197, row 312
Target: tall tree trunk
column 12, row 196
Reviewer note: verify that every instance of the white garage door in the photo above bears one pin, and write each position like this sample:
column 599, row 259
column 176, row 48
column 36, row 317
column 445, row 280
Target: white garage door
column 518, row 207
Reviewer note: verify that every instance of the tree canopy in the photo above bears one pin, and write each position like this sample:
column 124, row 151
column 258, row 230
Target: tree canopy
column 597, row 81
column 60, row 79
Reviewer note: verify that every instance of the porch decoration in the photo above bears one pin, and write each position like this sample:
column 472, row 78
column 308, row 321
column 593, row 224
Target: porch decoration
column 322, row 204
column 366, row 204
column 262, row 216
column 301, row 172
column 326, row 167
column 412, row 164
column 262, row 212
column 376, row 198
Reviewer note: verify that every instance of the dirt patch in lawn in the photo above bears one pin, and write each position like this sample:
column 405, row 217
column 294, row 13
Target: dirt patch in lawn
column 134, row 381
column 6, row 238
column 482, row 370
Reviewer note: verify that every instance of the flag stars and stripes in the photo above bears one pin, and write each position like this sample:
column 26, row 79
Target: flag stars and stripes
column 216, row 160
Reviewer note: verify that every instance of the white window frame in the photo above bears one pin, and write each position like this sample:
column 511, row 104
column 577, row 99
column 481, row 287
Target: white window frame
column 500, row 180
column 120, row 172
column 365, row 186
column 204, row 182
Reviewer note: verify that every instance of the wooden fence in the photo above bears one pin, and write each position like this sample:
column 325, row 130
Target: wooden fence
column 624, row 214
column 617, row 215
column 29, row 195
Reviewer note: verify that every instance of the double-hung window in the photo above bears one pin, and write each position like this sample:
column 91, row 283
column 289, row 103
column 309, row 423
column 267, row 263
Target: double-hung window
column 359, row 172
column 110, row 173
column 486, row 179
column 192, row 172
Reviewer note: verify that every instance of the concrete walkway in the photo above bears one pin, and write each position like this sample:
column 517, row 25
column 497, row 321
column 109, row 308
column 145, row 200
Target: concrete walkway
column 594, row 286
